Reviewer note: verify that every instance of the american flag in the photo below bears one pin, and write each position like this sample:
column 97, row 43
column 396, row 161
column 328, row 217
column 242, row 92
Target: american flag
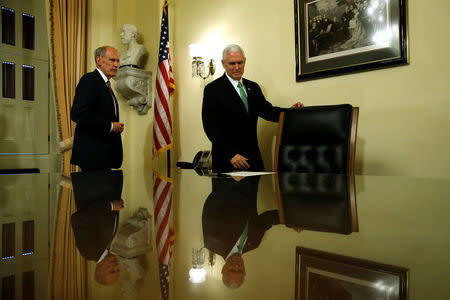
column 165, row 86
column 165, row 236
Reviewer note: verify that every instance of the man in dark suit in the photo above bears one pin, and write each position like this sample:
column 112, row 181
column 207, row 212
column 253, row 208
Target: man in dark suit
column 231, row 107
column 98, row 200
column 97, row 143
column 231, row 224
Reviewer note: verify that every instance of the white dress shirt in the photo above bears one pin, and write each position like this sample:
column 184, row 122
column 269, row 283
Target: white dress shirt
column 114, row 101
column 235, row 85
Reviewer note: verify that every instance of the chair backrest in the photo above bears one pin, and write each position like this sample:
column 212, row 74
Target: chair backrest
column 317, row 139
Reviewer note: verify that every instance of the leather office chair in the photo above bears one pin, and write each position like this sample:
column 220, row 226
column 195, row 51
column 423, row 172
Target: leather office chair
column 317, row 139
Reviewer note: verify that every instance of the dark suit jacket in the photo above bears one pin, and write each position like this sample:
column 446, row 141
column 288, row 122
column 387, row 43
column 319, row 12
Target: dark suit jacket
column 229, row 127
column 94, row 223
column 226, row 211
column 95, row 146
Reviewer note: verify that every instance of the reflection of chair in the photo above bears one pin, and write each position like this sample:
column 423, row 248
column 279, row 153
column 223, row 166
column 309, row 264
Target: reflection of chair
column 317, row 139
column 319, row 202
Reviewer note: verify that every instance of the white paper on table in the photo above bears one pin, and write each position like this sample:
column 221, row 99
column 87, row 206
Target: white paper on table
column 245, row 173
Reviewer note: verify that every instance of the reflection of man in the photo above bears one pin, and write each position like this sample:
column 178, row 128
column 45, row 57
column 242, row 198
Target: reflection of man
column 232, row 226
column 97, row 143
column 231, row 107
column 97, row 198
column 135, row 50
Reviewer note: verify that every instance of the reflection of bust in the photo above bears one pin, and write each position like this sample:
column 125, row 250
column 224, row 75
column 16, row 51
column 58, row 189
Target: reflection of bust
column 135, row 51
column 133, row 238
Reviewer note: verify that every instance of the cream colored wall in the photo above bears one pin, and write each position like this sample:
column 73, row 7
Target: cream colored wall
column 403, row 122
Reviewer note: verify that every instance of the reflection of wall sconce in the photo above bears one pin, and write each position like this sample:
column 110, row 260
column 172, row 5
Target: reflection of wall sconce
column 198, row 51
column 197, row 273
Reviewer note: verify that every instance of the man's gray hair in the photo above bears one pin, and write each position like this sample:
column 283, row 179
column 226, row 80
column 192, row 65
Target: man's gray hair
column 100, row 51
column 232, row 48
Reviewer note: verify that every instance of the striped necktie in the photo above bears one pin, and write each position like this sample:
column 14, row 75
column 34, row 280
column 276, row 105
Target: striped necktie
column 243, row 95
column 113, row 97
column 243, row 238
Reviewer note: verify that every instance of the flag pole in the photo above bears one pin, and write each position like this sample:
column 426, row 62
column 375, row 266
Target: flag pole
column 165, row 87
column 168, row 163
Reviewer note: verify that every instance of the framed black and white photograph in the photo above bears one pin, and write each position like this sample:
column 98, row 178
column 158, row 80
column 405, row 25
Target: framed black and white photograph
column 337, row 36
column 323, row 275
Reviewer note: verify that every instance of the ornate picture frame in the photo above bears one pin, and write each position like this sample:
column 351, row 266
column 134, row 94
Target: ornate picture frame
column 326, row 275
column 340, row 36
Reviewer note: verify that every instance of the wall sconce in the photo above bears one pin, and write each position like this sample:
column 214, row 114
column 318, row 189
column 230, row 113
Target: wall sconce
column 197, row 52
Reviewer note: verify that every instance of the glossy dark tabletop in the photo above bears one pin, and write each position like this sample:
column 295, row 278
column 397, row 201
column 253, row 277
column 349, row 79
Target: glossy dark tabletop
column 398, row 221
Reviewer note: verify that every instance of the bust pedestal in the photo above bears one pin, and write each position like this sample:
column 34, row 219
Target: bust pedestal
column 135, row 85
column 134, row 237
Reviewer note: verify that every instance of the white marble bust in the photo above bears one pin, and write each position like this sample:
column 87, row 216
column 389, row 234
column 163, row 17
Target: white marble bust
column 135, row 51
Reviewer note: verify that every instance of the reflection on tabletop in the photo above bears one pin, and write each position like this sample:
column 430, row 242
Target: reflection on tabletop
column 232, row 225
column 96, row 229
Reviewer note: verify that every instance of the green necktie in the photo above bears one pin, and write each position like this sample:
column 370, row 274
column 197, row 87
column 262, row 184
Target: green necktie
column 243, row 238
column 243, row 95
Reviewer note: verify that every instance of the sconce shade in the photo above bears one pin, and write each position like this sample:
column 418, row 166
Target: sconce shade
column 196, row 50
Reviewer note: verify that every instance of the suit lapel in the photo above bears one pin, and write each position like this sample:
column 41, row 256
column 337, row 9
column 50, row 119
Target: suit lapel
column 110, row 101
column 233, row 95
column 117, row 106
column 250, row 96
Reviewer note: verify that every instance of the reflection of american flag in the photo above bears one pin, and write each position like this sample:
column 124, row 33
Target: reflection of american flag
column 165, row 236
column 165, row 86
